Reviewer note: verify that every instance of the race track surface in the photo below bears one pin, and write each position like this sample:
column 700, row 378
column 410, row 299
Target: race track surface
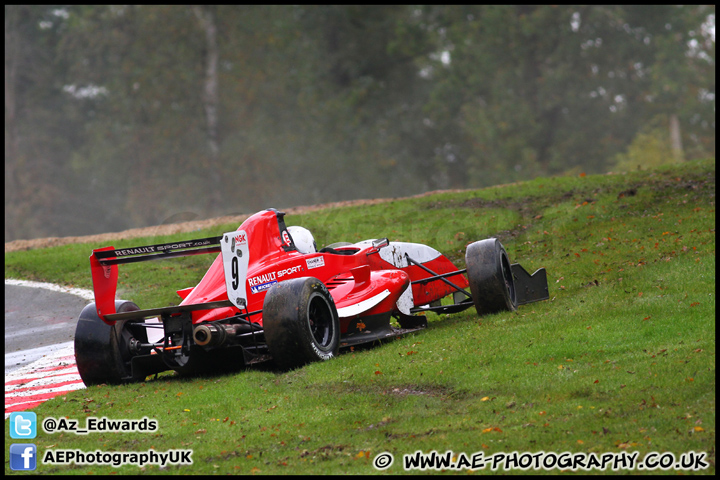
column 37, row 320
column 40, row 324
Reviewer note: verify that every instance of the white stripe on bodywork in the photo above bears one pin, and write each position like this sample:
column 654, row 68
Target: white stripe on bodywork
column 363, row 306
column 396, row 252
column 406, row 301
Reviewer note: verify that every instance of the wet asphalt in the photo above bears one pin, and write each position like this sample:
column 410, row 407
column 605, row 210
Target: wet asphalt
column 37, row 322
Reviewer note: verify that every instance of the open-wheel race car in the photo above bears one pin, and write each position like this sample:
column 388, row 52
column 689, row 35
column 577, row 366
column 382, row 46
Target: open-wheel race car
column 270, row 295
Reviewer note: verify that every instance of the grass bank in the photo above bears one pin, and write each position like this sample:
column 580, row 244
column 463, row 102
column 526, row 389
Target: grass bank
column 620, row 359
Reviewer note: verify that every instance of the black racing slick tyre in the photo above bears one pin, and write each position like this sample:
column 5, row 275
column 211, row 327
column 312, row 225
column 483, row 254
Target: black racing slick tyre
column 491, row 280
column 301, row 323
column 102, row 352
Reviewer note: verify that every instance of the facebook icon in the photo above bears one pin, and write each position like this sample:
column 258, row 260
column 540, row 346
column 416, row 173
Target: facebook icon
column 23, row 456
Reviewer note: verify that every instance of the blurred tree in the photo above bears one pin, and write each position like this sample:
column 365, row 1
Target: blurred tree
column 525, row 91
column 38, row 139
column 209, row 96
column 372, row 97
column 145, row 137
column 650, row 148
column 123, row 116
column 680, row 74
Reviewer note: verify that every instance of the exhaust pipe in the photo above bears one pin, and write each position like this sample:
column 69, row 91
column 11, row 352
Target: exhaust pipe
column 213, row 335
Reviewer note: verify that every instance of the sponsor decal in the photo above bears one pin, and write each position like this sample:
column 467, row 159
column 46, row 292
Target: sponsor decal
column 241, row 239
column 315, row 262
column 161, row 248
column 175, row 246
column 134, row 251
column 286, row 238
column 262, row 282
column 262, row 279
column 262, row 287
column 289, row 271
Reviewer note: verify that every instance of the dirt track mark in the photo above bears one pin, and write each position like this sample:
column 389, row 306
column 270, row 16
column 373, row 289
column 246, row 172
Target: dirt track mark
column 183, row 227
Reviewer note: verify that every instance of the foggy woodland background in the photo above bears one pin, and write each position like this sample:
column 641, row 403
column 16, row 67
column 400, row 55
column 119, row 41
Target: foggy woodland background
column 128, row 116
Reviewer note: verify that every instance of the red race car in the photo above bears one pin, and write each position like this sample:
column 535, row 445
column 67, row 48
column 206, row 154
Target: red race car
column 271, row 295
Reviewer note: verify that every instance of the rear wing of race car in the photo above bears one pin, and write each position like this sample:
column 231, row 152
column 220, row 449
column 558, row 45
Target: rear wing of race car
column 104, row 268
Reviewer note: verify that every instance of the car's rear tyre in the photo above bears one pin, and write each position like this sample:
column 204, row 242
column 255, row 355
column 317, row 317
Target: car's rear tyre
column 301, row 323
column 490, row 276
column 102, row 352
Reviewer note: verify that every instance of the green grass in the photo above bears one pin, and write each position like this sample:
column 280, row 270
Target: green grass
column 621, row 358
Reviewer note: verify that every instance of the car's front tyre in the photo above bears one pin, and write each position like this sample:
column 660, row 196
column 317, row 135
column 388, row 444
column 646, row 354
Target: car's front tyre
column 300, row 322
column 490, row 276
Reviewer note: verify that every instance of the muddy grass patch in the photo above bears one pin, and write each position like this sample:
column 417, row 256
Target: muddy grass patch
column 395, row 391
column 420, row 390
